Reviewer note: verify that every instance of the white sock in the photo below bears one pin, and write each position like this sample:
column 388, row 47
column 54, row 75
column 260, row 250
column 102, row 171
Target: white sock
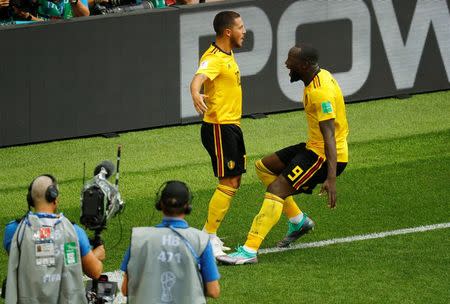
column 296, row 219
column 211, row 235
column 249, row 250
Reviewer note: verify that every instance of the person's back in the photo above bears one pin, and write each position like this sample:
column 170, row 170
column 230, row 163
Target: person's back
column 162, row 268
column 170, row 263
column 47, row 253
column 45, row 263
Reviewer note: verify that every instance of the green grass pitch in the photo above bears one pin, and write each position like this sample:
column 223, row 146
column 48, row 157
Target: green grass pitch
column 398, row 177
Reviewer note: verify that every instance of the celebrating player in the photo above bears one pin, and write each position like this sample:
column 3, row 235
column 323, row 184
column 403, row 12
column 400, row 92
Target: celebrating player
column 299, row 168
column 221, row 106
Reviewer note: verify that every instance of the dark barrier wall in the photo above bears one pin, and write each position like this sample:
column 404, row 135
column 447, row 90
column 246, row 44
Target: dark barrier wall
column 123, row 72
column 90, row 76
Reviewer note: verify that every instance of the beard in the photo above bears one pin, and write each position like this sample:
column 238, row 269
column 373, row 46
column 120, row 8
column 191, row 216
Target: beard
column 295, row 76
column 236, row 43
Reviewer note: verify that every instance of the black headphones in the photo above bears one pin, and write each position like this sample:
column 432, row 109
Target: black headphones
column 177, row 190
column 50, row 194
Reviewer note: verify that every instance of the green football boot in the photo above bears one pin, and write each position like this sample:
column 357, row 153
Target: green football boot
column 296, row 231
column 239, row 257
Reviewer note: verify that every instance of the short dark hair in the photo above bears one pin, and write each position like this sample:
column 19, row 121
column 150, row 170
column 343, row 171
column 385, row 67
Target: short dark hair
column 224, row 20
column 174, row 197
column 308, row 53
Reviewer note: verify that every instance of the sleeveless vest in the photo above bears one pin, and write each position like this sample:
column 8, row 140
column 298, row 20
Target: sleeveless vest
column 162, row 269
column 44, row 263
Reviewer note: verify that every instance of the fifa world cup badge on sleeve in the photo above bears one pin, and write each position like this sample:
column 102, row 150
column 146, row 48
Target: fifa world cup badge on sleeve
column 326, row 107
column 204, row 64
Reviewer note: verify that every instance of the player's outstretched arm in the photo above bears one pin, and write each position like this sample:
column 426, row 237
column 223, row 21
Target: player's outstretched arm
column 197, row 98
column 327, row 129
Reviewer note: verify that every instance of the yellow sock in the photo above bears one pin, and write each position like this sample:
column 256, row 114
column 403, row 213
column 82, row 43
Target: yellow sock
column 290, row 208
column 218, row 207
column 263, row 222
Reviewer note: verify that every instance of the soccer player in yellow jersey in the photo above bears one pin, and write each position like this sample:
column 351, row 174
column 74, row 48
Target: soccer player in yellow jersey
column 221, row 107
column 299, row 168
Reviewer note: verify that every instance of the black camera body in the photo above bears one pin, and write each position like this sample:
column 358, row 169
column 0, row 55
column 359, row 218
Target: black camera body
column 93, row 213
column 100, row 201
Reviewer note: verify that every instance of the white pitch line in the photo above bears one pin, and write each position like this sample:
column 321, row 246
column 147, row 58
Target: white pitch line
column 355, row 238
column 117, row 275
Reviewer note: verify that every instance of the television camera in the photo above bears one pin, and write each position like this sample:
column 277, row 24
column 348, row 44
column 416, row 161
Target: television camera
column 101, row 201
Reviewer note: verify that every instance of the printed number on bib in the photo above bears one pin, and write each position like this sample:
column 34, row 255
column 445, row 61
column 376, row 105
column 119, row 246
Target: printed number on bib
column 168, row 256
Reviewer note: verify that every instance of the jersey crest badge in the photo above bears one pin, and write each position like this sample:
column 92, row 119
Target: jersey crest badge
column 204, row 64
column 231, row 164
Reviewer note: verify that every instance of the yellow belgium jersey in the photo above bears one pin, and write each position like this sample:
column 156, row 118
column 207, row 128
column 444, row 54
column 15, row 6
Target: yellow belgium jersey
column 323, row 100
column 223, row 86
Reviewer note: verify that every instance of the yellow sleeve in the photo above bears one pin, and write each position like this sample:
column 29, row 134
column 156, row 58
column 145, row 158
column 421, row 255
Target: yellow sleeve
column 210, row 67
column 324, row 104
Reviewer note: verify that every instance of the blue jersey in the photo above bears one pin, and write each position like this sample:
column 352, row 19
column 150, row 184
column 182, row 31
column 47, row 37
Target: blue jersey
column 208, row 265
column 11, row 228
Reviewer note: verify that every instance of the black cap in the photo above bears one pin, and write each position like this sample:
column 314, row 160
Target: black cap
column 175, row 194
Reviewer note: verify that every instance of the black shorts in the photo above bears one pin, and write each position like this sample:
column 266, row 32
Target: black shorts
column 304, row 168
column 225, row 145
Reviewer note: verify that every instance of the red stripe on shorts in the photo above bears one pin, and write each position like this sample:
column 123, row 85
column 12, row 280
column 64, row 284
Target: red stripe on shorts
column 309, row 173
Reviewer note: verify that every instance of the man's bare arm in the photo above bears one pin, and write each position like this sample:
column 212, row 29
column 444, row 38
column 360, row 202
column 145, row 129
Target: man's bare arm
column 327, row 129
column 92, row 262
column 197, row 98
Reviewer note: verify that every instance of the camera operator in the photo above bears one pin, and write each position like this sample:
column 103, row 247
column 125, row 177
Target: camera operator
column 170, row 263
column 47, row 253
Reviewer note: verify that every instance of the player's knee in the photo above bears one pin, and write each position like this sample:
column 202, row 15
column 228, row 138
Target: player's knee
column 280, row 187
column 233, row 182
column 236, row 182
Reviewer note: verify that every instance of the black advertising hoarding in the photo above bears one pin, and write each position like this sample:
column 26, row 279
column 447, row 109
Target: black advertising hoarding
column 89, row 76
column 132, row 71
column 374, row 48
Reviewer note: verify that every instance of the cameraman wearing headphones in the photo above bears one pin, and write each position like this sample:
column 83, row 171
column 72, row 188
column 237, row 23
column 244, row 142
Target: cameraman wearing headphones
column 47, row 253
column 171, row 262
